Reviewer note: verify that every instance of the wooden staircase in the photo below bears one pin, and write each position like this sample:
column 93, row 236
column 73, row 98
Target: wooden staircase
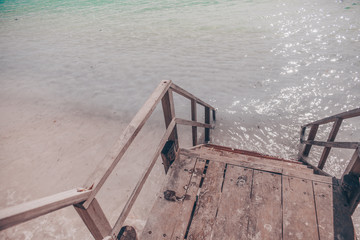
column 215, row 192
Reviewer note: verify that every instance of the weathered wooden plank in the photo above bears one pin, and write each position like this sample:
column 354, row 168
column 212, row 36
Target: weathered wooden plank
column 331, row 138
column 207, row 121
column 348, row 145
column 299, row 173
column 247, row 155
column 95, row 219
column 265, row 219
column 188, row 95
column 194, row 118
column 184, row 215
column 234, row 209
column 311, row 137
column 107, row 165
column 192, row 123
column 299, row 219
column 245, row 152
column 164, row 214
column 169, row 114
column 208, row 153
column 312, row 177
column 324, row 209
column 119, row 223
column 349, row 114
column 21, row 213
column 208, row 200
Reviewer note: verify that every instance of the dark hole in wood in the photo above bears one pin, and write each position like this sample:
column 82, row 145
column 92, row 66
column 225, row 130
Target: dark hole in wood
column 222, row 185
column 191, row 218
column 169, row 151
column 127, row 233
column 204, row 172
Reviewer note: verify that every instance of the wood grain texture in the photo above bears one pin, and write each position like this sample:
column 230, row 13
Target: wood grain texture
column 234, row 210
column 208, row 201
column 187, row 206
column 204, row 151
column 300, row 173
column 265, row 221
column 323, row 194
column 94, row 219
column 17, row 214
column 165, row 213
column 299, row 219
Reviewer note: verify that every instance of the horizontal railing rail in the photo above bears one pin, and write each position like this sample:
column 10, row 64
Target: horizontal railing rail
column 17, row 214
column 353, row 168
column 83, row 199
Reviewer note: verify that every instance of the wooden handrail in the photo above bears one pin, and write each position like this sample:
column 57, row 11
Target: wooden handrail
column 112, row 158
column 353, row 168
column 188, row 95
column 21, row 213
column 193, row 123
column 142, row 180
column 349, row 114
column 330, row 143
column 347, row 145
column 84, row 200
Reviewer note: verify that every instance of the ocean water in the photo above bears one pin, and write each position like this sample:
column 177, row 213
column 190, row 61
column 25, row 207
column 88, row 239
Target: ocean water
column 269, row 66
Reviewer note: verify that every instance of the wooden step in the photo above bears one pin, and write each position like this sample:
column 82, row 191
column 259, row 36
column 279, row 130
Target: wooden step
column 264, row 166
column 219, row 199
column 205, row 152
column 251, row 156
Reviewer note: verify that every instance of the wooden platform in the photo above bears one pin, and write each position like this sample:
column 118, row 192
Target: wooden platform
column 212, row 192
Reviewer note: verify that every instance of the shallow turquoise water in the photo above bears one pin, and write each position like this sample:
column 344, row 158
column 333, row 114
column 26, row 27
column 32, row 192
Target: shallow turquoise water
column 269, row 66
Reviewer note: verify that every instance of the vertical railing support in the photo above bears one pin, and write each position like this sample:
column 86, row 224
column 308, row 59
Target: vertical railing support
column 331, row 138
column 354, row 164
column 194, row 118
column 207, row 120
column 311, row 137
column 214, row 115
column 352, row 171
column 169, row 114
column 95, row 219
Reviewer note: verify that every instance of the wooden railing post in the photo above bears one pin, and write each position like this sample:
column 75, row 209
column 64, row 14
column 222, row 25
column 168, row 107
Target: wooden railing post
column 352, row 171
column 331, row 138
column 95, row 219
column 194, row 118
column 354, row 164
column 207, row 120
column 169, row 114
column 311, row 137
